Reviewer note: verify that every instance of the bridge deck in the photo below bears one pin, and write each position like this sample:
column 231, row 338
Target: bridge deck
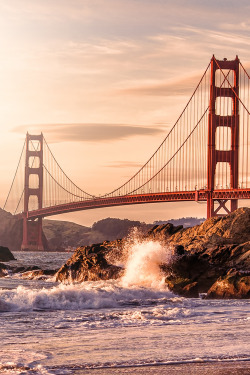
column 100, row 202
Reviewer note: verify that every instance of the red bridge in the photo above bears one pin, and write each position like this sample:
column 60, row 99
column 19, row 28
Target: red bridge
column 204, row 157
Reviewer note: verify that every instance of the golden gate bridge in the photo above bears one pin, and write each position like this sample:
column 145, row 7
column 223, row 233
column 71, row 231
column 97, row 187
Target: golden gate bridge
column 204, row 158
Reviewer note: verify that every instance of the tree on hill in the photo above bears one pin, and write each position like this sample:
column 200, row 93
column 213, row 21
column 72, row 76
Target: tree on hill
column 115, row 228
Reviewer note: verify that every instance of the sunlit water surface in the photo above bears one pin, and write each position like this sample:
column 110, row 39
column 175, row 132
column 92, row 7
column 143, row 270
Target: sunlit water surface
column 51, row 328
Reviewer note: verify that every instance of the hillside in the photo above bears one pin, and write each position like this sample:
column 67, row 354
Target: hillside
column 64, row 234
column 10, row 231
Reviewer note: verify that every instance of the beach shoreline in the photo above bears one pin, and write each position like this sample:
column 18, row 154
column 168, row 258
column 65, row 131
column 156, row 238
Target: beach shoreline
column 208, row 368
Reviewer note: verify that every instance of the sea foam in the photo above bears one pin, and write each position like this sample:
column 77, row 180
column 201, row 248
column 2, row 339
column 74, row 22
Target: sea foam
column 143, row 263
column 142, row 284
column 88, row 295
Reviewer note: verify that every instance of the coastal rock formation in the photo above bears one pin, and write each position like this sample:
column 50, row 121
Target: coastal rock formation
column 26, row 272
column 3, row 270
column 210, row 251
column 5, row 254
column 38, row 274
column 90, row 263
column 230, row 229
column 236, row 284
column 212, row 258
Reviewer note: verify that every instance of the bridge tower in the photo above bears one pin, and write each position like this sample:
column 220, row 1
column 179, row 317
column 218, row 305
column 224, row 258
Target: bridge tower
column 32, row 229
column 215, row 121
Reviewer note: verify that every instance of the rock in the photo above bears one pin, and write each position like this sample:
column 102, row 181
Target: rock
column 191, row 274
column 5, row 254
column 236, row 284
column 22, row 269
column 205, row 253
column 27, row 272
column 3, row 270
column 4, row 306
column 89, row 263
column 179, row 250
column 38, row 274
column 201, row 257
column 191, row 290
column 230, row 229
column 163, row 230
column 183, row 287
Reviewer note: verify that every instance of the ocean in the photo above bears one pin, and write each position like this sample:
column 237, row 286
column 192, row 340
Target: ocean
column 134, row 325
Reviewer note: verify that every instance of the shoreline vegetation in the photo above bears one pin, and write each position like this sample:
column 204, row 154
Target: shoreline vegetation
column 212, row 258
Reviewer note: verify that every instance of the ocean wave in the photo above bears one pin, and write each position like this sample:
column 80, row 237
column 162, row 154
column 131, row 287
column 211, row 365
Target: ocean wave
column 156, row 363
column 14, row 368
column 88, row 295
column 20, row 361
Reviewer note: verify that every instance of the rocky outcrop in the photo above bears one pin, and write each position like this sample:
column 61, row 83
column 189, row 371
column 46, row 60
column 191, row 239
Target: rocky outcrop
column 5, row 254
column 163, row 231
column 3, row 270
column 227, row 230
column 38, row 274
column 236, row 284
column 202, row 261
column 90, row 263
column 210, row 251
column 26, row 272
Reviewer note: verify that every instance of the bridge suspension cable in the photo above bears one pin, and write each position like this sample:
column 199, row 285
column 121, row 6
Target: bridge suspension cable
column 58, row 187
column 17, row 186
column 180, row 162
column 241, row 95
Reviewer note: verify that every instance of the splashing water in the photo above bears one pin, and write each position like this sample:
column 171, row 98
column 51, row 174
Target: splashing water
column 143, row 264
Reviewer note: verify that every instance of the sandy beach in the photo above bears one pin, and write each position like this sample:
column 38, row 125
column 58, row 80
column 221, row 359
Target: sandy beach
column 221, row 368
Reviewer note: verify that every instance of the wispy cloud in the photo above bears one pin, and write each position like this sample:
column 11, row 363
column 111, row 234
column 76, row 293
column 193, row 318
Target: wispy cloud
column 89, row 132
column 124, row 164
column 183, row 86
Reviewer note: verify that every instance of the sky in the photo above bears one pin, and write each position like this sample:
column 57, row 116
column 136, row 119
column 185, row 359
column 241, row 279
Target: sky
column 105, row 81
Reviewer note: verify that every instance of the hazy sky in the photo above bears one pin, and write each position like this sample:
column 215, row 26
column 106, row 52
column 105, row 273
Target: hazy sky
column 105, row 81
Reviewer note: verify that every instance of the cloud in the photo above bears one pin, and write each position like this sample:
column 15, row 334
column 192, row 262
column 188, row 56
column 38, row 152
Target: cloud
column 184, row 86
column 89, row 132
column 124, row 164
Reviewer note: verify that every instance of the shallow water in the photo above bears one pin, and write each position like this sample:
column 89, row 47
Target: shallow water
column 118, row 326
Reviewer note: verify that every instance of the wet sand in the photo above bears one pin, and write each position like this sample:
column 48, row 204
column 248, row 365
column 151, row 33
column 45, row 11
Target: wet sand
column 218, row 368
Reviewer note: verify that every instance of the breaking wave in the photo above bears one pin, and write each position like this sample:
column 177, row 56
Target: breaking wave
column 144, row 258
column 88, row 295
column 142, row 284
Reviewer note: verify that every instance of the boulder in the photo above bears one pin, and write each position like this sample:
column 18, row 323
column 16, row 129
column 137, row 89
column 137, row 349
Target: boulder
column 206, row 253
column 3, row 270
column 190, row 274
column 164, row 230
column 236, row 284
column 230, row 229
column 5, row 254
column 26, row 272
column 38, row 274
column 89, row 263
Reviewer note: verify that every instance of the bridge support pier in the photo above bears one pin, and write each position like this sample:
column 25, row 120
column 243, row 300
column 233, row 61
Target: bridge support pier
column 32, row 235
column 218, row 103
column 32, row 229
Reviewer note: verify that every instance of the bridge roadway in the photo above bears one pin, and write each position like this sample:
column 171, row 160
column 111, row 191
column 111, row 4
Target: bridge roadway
column 100, row 202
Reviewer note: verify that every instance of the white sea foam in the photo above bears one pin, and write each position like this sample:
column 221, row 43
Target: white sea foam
column 88, row 295
column 20, row 361
column 142, row 284
column 143, row 263
column 113, row 324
